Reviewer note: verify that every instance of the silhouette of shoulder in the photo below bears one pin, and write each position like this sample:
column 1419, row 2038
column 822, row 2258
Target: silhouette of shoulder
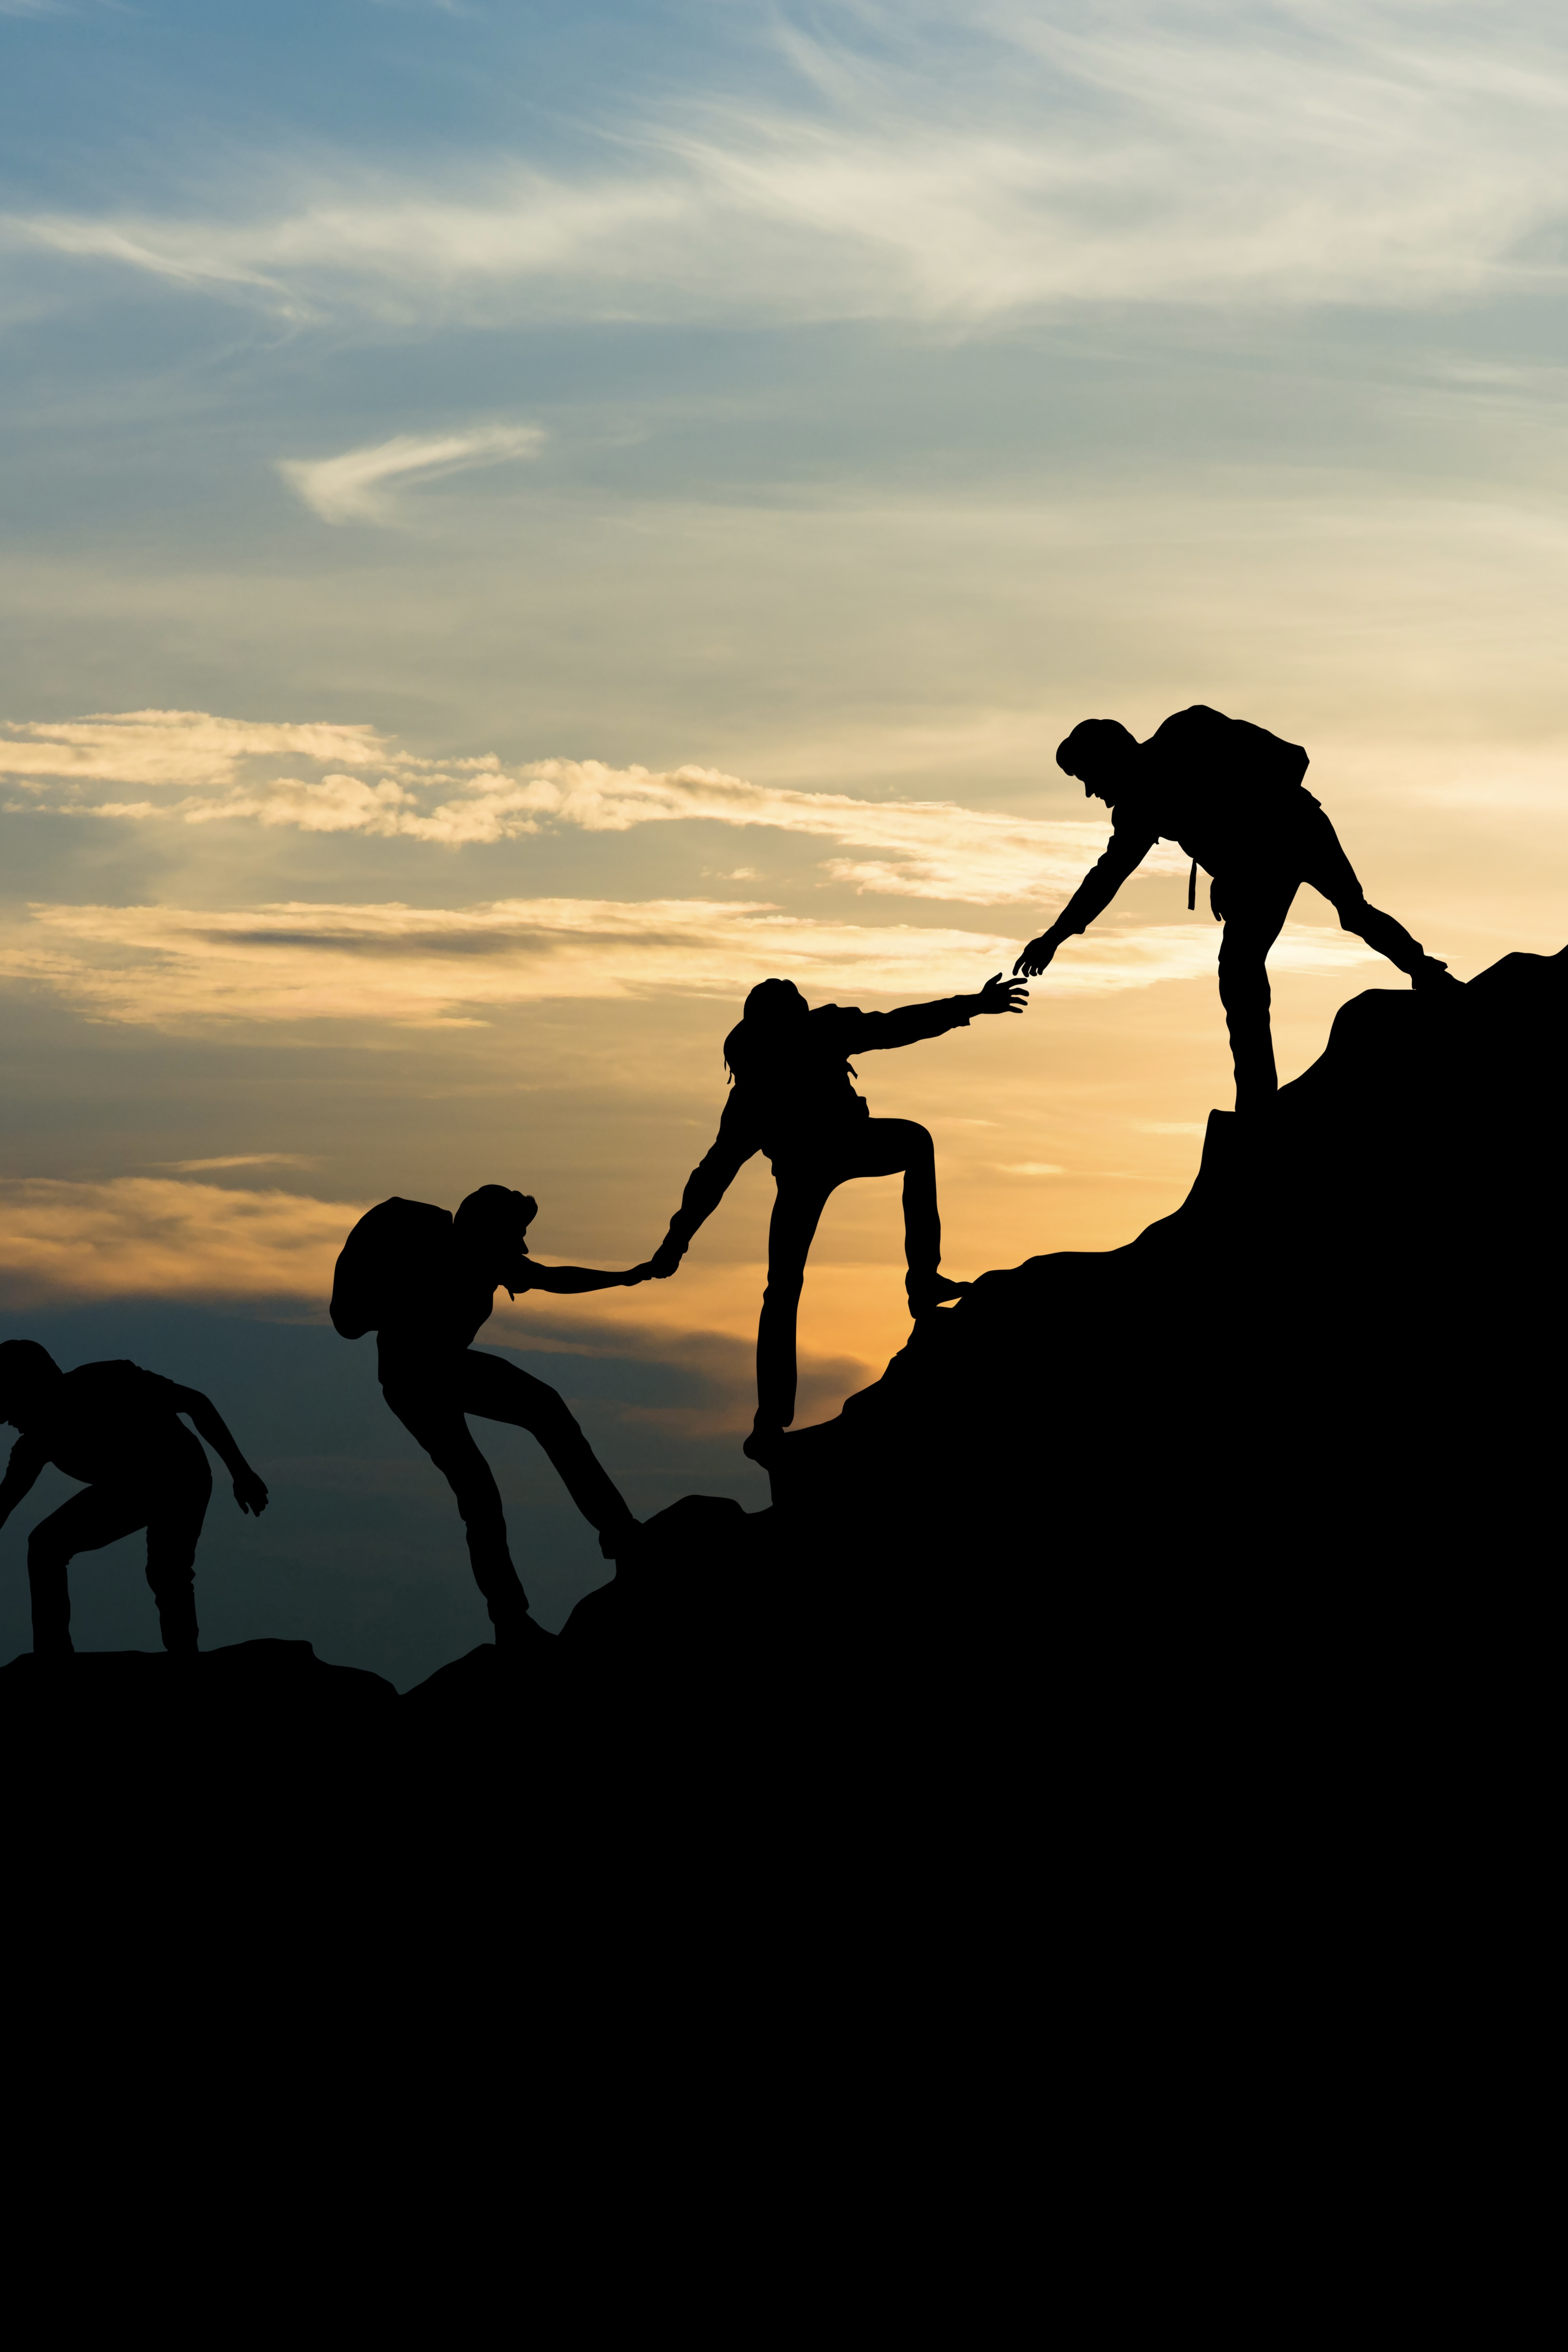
column 105, row 1419
column 1226, row 750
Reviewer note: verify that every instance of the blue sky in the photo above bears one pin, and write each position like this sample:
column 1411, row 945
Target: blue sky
column 604, row 503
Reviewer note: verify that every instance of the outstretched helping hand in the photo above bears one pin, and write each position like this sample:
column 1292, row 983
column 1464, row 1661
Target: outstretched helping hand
column 666, row 1259
column 250, row 1492
column 1037, row 955
column 1000, row 995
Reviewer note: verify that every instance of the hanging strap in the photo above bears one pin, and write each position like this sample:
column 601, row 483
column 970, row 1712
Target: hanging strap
column 1193, row 887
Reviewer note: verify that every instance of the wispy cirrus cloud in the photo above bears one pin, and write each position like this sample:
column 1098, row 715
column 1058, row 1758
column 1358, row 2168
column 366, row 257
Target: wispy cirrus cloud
column 919, row 849
column 1298, row 154
column 353, row 487
column 181, row 968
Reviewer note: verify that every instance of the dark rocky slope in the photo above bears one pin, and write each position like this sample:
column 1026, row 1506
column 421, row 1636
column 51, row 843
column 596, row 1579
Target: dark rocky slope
column 1334, row 1374
column 1295, row 1448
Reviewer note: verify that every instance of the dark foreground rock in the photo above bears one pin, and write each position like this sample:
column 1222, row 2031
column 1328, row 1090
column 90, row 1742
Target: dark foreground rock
column 1264, row 1503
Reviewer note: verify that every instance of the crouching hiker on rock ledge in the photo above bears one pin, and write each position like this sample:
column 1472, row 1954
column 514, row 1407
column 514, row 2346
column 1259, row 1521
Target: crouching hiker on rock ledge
column 117, row 1428
column 793, row 1101
column 424, row 1282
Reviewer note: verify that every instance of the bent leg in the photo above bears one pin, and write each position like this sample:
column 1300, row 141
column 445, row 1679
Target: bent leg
column 97, row 1516
column 798, row 1212
column 1330, row 872
column 883, row 1147
column 435, row 1421
column 1255, row 912
column 501, row 1391
column 173, row 1531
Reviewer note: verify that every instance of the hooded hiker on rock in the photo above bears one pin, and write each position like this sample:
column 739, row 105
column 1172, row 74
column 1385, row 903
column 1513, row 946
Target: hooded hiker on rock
column 793, row 1100
column 1232, row 794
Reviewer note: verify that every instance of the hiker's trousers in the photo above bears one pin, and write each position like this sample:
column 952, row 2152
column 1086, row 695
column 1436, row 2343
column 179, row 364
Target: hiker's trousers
column 431, row 1400
column 869, row 1147
column 1253, row 899
column 169, row 1499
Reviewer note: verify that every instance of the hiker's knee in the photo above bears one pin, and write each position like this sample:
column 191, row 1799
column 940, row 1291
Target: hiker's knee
column 784, row 1286
column 47, row 1550
column 1243, row 975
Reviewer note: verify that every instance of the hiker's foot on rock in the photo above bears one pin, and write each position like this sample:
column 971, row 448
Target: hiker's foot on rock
column 933, row 1290
column 764, row 1443
column 621, row 1542
column 1430, row 973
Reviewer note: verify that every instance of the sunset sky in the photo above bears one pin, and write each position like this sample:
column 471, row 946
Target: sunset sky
column 524, row 519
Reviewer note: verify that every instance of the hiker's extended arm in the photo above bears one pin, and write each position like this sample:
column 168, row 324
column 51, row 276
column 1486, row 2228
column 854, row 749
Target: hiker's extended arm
column 877, row 1033
column 570, row 1281
column 1124, row 854
column 709, row 1182
column 249, row 1491
column 21, row 1475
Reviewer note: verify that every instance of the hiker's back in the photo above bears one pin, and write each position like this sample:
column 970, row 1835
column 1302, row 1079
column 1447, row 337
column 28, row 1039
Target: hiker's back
column 113, row 1421
column 794, row 1079
column 401, row 1275
column 1213, row 782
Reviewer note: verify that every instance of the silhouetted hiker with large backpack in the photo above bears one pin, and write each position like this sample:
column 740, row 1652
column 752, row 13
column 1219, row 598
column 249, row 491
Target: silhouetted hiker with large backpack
column 793, row 1100
column 424, row 1282
column 1232, row 795
column 117, row 1428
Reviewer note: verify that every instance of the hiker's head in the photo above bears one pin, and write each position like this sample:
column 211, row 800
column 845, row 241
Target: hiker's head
column 492, row 1223
column 773, row 1008
column 1101, row 754
column 773, row 1003
column 27, row 1372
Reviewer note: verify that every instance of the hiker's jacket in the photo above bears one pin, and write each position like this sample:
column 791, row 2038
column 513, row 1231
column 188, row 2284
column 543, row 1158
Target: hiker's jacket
column 441, row 1299
column 109, row 1422
column 1230, row 792
column 792, row 1093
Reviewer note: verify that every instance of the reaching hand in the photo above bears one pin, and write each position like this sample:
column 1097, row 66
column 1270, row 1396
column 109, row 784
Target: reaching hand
column 250, row 1493
column 1037, row 956
column 1000, row 995
column 666, row 1258
column 637, row 1274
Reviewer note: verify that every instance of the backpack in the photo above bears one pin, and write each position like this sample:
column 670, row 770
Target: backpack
column 383, row 1259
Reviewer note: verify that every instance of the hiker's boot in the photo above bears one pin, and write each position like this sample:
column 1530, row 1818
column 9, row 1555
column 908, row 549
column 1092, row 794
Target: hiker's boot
column 764, row 1443
column 925, row 1291
column 1431, row 975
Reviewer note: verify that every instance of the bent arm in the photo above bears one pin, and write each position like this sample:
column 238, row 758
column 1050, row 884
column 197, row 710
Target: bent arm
column 249, row 1491
column 21, row 1476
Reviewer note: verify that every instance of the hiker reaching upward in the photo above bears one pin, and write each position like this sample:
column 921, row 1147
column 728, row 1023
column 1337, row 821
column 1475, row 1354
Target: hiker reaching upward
column 1232, row 794
column 424, row 1282
column 118, row 1429
column 792, row 1099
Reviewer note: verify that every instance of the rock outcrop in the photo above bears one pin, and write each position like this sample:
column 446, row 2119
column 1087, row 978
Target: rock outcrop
column 1283, row 1470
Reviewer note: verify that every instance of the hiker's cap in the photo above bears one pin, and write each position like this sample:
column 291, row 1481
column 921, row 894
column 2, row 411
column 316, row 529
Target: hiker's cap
column 496, row 1210
column 773, row 1000
column 1095, row 745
